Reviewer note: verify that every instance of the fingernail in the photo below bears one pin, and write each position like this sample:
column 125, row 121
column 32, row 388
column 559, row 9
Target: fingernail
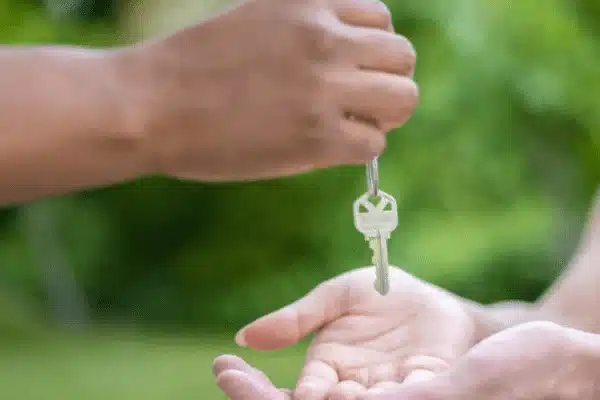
column 240, row 338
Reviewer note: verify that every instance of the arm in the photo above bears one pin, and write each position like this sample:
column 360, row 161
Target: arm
column 571, row 300
column 61, row 123
column 75, row 119
column 574, row 298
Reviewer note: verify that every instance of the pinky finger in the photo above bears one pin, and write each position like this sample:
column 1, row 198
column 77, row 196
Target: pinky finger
column 238, row 385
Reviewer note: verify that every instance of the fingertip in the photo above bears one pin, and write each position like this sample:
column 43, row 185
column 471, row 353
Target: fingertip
column 271, row 332
column 230, row 380
column 310, row 391
column 240, row 338
column 225, row 362
column 419, row 375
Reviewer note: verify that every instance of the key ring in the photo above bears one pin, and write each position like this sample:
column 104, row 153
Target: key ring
column 372, row 172
column 373, row 177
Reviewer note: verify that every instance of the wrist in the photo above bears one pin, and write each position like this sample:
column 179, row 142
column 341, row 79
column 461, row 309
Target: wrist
column 494, row 318
column 77, row 139
column 131, row 113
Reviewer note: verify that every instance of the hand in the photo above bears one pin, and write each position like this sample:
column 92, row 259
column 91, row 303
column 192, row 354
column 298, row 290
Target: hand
column 365, row 341
column 240, row 381
column 269, row 88
column 533, row 361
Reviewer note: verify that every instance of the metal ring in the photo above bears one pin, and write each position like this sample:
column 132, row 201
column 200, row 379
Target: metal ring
column 373, row 177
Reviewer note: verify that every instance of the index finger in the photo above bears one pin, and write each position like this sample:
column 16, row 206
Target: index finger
column 364, row 13
column 316, row 380
column 431, row 389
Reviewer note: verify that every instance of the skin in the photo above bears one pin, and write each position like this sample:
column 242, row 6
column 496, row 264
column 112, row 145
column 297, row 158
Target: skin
column 367, row 344
column 560, row 363
column 267, row 88
column 364, row 341
column 533, row 361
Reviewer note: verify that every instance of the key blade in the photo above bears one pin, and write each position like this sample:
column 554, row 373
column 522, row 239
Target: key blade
column 382, row 278
column 382, row 287
column 374, row 245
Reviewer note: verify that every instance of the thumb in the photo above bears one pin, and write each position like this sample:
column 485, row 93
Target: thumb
column 288, row 325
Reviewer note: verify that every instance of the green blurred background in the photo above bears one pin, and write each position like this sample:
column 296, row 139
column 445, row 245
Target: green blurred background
column 129, row 292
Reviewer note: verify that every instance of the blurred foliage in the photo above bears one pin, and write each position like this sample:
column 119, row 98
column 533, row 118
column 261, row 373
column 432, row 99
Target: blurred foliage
column 125, row 366
column 493, row 177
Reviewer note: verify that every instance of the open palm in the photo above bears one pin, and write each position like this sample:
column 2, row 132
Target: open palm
column 364, row 341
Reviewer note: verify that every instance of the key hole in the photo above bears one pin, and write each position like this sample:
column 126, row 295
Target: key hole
column 376, row 200
column 362, row 209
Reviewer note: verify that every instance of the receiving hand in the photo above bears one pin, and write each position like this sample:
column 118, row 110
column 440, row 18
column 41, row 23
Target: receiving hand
column 365, row 342
column 533, row 361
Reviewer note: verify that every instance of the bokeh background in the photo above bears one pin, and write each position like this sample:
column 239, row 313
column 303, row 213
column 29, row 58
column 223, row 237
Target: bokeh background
column 129, row 292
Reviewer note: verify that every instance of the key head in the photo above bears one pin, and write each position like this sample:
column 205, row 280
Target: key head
column 378, row 214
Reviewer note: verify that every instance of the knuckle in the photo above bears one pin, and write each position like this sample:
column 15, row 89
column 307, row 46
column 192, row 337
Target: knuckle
column 368, row 147
column 313, row 123
column 382, row 13
column 313, row 135
column 369, row 13
column 540, row 327
column 410, row 53
column 318, row 41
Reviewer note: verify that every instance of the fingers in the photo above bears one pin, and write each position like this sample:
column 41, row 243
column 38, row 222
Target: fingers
column 317, row 379
column 365, row 13
column 347, row 390
column 290, row 324
column 377, row 50
column 238, row 380
column 238, row 385
column 419, row 391
column 228, row 362
column 384, row 98
column 361, row 141
column 383, row 387
column 422, row 368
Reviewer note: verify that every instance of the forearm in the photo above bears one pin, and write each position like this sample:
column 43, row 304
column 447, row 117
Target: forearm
column 574, row 298
column 571, row 301
column 62, row 126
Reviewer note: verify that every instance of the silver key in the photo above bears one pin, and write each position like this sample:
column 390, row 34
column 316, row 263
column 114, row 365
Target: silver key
column 377, row 221
column 380, row 260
